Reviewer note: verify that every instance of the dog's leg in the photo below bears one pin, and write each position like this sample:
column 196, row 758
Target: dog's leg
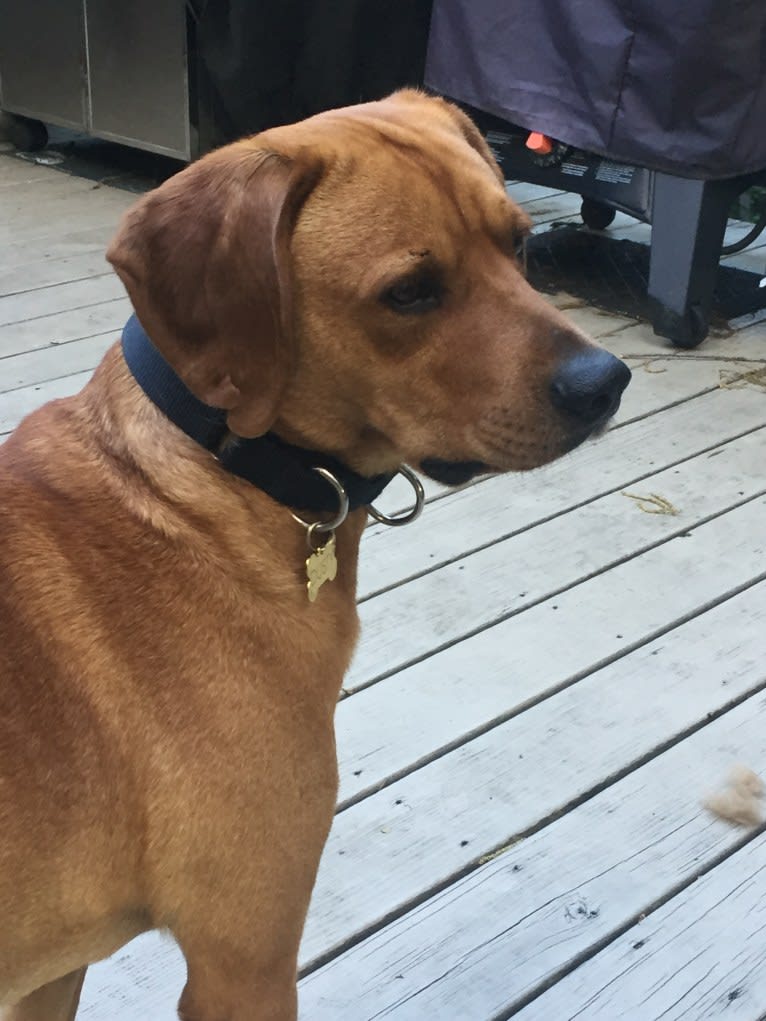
column 241, row 944
column 241, row 940
column 220, row 989
column 238, row 904
column 57, row 1001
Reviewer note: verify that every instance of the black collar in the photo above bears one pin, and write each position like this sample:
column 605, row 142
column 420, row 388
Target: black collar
column 283, row 471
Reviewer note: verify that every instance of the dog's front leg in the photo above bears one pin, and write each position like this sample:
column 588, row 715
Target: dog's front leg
column 242, row 898
column 241, row 941
column 219, row 990
column 56, row 1001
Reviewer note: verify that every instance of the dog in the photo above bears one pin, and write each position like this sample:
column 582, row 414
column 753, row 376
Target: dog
column 316, row 307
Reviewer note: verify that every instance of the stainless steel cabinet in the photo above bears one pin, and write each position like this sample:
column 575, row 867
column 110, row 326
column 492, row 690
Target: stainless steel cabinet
column 117, row 70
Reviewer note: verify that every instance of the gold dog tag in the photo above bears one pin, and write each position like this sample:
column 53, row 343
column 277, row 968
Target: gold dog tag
column 321, row 566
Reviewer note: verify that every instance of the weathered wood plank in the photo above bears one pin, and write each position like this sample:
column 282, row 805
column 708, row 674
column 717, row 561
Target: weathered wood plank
column 405, row 624
column 420, row 713
column 639, row 343
column 661, row 384
column 62, row 327
column 701, row 956
column 523, row 192
column 752, row 260
column 17, row 308
column 67, row 202
column 59, row 244
column 490, row 941
column 16, row 404
column 420, row 832
column 15, row 171
column 556, row 206
column 597, row 324
column 44, row 184
column 50, row 271
column 36, row 367
column 88, row 216
column 498, row 507
column 36, row 175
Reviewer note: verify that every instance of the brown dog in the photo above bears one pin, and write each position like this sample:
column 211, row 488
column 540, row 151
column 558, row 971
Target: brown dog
column 166, row 687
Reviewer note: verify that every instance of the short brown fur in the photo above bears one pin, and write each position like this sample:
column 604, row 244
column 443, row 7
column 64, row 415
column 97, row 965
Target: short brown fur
column 166, row 689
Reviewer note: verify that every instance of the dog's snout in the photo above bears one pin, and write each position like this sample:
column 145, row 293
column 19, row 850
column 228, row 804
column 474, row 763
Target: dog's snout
column 589, row 386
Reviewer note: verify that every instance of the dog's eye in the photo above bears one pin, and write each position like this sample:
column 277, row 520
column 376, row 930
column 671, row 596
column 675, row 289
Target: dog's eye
column 414, row 295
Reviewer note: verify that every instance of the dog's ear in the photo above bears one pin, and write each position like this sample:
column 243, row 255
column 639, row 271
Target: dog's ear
column 474, row 137
column 205, row 259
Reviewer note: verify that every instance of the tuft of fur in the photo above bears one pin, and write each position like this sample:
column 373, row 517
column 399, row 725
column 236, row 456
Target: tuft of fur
column 741, row 800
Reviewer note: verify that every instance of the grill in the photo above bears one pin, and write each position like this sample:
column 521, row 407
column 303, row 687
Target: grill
column 656, row 110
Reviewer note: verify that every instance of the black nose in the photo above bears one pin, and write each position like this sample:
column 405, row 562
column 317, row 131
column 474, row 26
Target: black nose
column 589, row 386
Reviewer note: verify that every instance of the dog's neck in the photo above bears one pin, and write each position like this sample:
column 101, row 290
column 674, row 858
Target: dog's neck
column 170, row 483
column 285, row 472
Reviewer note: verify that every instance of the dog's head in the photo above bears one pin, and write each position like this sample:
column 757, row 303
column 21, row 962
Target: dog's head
column 352, row 282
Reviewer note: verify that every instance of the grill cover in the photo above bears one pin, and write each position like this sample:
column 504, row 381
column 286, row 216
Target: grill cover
column 678, row 86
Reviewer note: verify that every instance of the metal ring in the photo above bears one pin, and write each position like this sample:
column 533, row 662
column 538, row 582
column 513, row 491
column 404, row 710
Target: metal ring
column 340, row 517
column 310, row 541
column 410, row 516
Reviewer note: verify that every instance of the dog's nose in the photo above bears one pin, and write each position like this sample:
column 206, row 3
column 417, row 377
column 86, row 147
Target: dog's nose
column 589, row 386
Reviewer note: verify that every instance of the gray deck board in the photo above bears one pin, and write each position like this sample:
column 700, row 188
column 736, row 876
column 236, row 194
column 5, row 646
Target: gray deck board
column 549, row 682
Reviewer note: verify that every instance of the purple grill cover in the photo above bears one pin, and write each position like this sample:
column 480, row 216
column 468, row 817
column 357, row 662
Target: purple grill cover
column 678, row 85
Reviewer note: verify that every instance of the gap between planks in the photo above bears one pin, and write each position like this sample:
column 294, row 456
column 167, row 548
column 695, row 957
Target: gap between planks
column 420, row 714
column 498, row 938
column 439, row 822
column 35, row 253
column 31, row 305
column 698, row 956
column 62, row 328
column 410, row 623
column 43, row 365
column 53, row 272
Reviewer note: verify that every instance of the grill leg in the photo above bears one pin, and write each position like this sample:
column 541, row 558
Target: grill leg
column 688, row 224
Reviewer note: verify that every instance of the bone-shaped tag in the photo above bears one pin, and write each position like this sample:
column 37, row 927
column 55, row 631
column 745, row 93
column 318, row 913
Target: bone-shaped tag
column 321, row 566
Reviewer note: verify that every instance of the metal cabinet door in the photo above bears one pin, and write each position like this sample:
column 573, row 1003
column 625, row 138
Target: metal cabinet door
column 138, row 73
column 42, row 60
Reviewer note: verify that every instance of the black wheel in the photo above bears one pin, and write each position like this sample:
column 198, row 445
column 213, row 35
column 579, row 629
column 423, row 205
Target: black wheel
column 694, row 331
column 26, row 134
column 686, row 331
column 596, row 215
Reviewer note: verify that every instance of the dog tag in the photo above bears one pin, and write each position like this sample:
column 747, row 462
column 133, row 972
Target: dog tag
column 321, row 566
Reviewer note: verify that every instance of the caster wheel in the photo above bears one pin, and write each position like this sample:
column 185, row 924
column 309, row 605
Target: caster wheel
column 685, row 331
column 25, row 133
column 596, row 215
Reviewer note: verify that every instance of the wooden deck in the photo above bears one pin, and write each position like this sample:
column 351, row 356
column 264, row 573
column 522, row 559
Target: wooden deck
column 556, row 669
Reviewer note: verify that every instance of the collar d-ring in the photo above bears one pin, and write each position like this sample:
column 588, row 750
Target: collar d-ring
column 409, row 516
column 340, row 517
